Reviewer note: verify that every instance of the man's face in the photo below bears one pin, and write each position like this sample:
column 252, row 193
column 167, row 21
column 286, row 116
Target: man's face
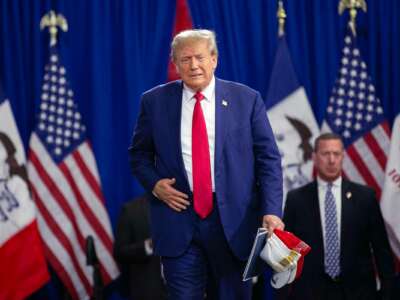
column 328, row 159
column 195, row 64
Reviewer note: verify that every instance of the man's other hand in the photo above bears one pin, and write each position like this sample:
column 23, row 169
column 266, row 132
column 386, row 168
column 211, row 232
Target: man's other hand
column 165, row 191
column 272, row 222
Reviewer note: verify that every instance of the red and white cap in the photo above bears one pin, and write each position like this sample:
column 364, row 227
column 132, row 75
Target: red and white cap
column 284, row 253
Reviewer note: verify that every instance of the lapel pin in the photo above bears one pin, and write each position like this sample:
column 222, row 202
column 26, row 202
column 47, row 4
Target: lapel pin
column 224, row 103
column 348, row 195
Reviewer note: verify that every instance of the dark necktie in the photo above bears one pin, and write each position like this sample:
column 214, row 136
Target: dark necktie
column 332, row 248
column 201, row 166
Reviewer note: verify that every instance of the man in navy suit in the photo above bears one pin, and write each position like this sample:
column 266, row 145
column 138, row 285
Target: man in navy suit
column 340, row 264
column 204, row 149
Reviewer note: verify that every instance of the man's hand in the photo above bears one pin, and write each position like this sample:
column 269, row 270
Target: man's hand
column 148, row 246
column 271, row 222
column 165, row 191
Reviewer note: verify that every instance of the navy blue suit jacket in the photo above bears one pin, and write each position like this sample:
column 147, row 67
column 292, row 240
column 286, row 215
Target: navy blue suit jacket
column 248, row 176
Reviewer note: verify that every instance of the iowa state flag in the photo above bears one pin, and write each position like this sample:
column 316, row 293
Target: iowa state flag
column 292, row 120
column 23, row 267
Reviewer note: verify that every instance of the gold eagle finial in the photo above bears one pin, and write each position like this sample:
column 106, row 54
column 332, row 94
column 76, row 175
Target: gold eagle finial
column 281, row 15
column 52, row 20
column 352, row 5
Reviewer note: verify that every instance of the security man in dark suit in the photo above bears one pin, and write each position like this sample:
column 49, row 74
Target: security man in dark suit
column 133, row 250
column 342, row 223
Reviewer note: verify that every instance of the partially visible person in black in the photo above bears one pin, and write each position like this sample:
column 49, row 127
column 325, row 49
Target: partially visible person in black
column 342, row 222
column 140, row 269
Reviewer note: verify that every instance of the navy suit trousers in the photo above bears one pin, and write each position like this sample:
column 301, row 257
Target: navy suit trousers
column 207, row 269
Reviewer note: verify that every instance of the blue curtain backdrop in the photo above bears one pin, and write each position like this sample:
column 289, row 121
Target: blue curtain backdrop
column 115, row 50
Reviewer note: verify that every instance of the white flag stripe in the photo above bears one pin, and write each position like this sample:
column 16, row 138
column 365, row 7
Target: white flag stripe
column 91, row 198
column 381, row 138
column 63, row 258
column 351, row 171
column 369, row 159
column 85, row 151
column 82, row 223
column 63, row 222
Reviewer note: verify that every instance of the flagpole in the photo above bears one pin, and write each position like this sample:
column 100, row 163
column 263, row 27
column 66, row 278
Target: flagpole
column 281, row 15
column 352, row 6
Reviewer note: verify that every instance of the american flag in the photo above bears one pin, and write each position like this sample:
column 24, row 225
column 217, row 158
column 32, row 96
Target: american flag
column 66, row 186
column 354, row 112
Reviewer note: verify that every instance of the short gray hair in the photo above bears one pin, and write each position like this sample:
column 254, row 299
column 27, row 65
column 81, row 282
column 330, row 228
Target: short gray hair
column 327, row 136
column 191, row 35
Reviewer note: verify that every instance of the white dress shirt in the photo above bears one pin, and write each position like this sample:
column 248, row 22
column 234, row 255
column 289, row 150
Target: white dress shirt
column 337, row 194
column 208, row 107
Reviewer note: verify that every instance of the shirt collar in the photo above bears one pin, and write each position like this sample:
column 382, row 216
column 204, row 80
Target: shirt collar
column 207, row 92
column 336, row 183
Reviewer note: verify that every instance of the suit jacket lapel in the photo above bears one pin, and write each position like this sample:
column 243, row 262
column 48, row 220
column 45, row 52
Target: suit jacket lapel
column 174, row 111
column 316, row 223
column 221, row 115
column 316, row 212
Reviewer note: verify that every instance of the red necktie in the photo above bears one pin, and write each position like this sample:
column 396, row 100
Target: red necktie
column 201, row 167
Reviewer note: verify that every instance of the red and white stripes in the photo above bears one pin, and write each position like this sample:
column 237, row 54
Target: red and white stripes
column 71, row 207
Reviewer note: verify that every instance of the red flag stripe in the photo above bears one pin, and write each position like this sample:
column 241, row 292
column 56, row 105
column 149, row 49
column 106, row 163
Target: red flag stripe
column 379, row 155
column 87, row 212
column 91, row 180
column 62, row 238
column 86, row 151
column 363, row 169
column 386, row 128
